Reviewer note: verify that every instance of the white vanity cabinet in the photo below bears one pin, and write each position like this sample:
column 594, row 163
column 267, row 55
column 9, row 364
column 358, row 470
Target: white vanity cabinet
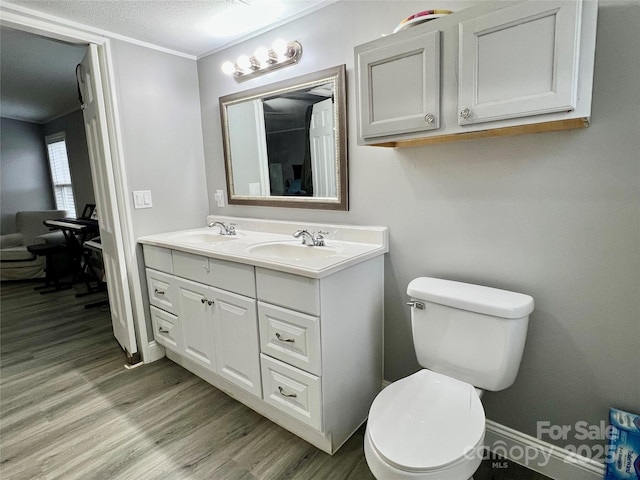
column 214, row 328
column 220, row 332
column 505, row 68
column 305, row 352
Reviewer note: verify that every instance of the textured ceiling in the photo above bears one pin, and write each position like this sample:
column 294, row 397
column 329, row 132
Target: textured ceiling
column 194, row 27
column 38, row 74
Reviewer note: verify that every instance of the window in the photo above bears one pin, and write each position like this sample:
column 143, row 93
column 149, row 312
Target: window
column 60, row 173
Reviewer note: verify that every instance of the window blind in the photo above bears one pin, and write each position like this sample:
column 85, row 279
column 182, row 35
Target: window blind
column 61, row 174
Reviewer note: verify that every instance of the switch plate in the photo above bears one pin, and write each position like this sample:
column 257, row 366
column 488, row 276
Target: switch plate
column 142, row 199
column 219, row 197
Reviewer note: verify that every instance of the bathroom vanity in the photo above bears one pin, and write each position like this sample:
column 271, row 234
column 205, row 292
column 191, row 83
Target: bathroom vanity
column 292, row 331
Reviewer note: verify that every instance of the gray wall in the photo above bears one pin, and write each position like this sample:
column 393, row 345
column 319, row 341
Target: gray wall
column 73, row 126
column 554, row 215
column 25, row 180
column 159, row 113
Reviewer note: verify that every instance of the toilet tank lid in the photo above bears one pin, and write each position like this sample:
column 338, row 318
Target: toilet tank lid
column 474, row 298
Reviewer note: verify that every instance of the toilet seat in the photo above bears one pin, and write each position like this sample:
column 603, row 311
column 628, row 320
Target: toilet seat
column 426, row 421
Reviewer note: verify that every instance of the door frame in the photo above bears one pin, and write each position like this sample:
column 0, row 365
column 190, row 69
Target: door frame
column 27, row 20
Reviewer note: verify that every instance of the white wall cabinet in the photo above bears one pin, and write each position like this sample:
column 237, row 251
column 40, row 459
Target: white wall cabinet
column 305, row 352
column 519, row 61
column 399, row 86
column 505, row 67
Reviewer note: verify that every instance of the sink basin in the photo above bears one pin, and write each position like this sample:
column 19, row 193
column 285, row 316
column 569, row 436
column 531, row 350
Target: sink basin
column 202, row 237
column 291, row 251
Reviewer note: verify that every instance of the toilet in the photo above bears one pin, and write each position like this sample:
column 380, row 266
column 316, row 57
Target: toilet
column 431, row 425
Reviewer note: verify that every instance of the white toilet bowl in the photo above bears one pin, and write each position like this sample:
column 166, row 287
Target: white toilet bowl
column 426, row 426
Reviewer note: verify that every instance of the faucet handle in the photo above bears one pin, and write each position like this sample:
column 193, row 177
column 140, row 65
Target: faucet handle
column 318, row 241
column 232, row 229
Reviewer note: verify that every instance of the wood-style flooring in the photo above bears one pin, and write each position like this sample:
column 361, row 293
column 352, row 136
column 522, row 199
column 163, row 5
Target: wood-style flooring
column 70, row 410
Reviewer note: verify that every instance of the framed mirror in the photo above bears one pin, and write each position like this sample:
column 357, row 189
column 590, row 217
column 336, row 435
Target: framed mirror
column 285, row 144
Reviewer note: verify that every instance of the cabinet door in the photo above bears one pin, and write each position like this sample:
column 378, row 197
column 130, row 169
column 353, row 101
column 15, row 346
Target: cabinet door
column 196, row 320
column 399, row 87
column 519, row 61
column 236, row 336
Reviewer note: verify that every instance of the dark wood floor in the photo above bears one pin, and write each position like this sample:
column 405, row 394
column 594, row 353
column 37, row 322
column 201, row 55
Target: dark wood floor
column 70, row 410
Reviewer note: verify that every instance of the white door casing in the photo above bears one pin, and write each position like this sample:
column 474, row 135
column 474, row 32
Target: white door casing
column 105, row 192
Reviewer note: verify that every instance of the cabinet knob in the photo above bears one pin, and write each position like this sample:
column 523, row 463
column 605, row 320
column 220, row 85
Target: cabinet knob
column 465, row 114
column 203, row 300
column 210, row 302
column 430, row 118
column 282, row 392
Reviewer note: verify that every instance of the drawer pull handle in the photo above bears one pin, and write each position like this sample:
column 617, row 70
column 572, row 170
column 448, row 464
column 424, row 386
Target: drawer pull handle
column 283, row 339
column 290, row 395
column 162, row 330
column 203, row 300
column 158, row 292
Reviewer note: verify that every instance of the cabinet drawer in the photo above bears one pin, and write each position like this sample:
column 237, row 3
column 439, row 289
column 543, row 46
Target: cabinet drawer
column 166, row 329
column 231, row 276
column 287, row 290
column 293, row 391
column 158, row 258
column 290, row 336
column 162, row 290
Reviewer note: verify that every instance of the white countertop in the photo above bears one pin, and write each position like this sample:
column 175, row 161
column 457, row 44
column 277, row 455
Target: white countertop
column 345, row 245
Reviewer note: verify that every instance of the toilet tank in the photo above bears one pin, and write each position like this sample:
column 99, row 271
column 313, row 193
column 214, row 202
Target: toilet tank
column 473, row 333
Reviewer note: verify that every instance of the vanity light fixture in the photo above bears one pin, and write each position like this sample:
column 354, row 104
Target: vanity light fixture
column 264, row 60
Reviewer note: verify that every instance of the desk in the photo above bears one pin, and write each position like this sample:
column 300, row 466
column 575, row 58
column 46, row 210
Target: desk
column 51, row 276
column 76, row 232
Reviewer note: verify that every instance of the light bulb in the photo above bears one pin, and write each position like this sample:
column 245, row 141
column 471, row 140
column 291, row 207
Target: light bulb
column 280, row 47
column 262, row 55
column 228, row 68
column 244, row 62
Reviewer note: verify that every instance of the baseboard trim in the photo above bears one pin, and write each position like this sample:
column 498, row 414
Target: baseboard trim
column 154, row 351
column 540, row 456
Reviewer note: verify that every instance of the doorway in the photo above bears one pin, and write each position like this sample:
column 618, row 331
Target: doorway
column 107, row 177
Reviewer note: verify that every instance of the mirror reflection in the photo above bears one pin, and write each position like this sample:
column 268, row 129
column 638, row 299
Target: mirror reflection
column 285, row 144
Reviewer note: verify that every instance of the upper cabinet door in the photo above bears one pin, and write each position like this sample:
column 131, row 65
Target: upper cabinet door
column 519, row 61
column 399, row 87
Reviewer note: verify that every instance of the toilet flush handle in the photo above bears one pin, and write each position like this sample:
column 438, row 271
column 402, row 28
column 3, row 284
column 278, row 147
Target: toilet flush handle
column 414, row 304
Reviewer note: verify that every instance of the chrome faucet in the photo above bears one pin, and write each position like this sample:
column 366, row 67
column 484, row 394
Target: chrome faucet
column 315, row 239
column 224, row 230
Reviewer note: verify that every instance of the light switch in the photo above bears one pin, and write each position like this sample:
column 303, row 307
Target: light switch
column 142, row 199
column 219, row 197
